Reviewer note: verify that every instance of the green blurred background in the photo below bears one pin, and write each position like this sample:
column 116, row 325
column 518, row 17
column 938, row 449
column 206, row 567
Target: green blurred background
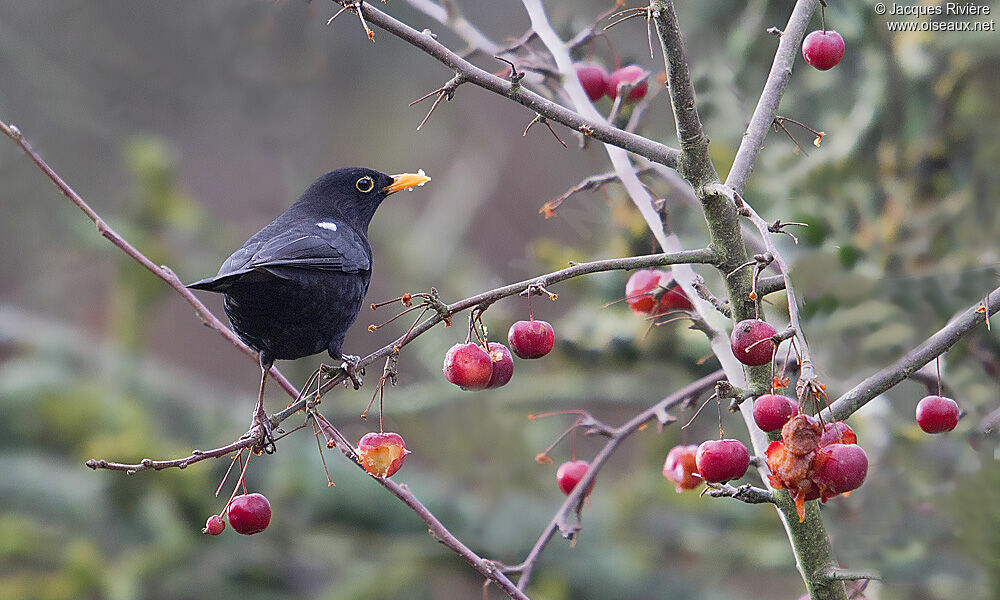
column 189, row 125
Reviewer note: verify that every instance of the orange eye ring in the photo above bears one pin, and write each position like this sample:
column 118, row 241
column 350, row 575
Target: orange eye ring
column 365, row 184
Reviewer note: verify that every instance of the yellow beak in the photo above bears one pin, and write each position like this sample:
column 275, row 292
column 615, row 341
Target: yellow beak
column 406, row 181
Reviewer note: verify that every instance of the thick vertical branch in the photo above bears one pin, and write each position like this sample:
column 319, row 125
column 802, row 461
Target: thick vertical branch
column 595, row 128
column 810, row 543
column 695, row 164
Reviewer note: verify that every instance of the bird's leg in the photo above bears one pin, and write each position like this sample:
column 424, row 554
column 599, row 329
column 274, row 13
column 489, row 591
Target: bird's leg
column 350, row 366
column 260, row 417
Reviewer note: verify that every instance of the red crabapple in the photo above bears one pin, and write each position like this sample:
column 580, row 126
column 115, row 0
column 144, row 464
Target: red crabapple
column 593, row 78
column 750, row 343
column 503, row 365
column 629, row 74
column 249, row 513
column 469, row 366
column 839, row 468
column 772, row 411
column 382, row 454
column 531, row 339
column 214, row 526
column 681, row 466
column 722, row 460
column 570, row 473
column 823, row 49
column 838, row 433
column 937, row 414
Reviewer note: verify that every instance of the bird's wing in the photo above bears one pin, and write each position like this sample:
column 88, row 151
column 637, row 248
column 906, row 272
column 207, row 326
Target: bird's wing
column 324, row 248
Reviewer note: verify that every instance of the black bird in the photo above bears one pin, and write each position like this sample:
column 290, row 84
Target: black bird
column 298, row 284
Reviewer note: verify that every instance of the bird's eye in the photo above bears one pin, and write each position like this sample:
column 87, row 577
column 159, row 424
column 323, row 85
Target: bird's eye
column 365, row 184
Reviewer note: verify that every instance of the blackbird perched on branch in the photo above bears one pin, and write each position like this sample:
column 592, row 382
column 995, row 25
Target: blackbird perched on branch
column 297, row 285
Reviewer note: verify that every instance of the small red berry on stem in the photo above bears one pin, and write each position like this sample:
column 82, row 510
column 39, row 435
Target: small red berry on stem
column 823, row 49
column 569, row 474
column 214, row 526
column 469, row 366
column 937, row 414
column 629, row 74
column 722, row 460
column 503, row 365
column 531, row 339
column 772, row 411
column 594, row 79
column 751, row 342
column 249, row 513
column 382, row 454
column 681, row 466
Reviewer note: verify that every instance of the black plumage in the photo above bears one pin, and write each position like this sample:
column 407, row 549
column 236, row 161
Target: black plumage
column 297, row 285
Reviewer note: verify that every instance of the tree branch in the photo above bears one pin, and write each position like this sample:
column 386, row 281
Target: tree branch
column 931, row 348
column 744, row 493
column 486, row 567
column 774, row 88
column 450, row 15
column 161, row 271
column 574, row 500
column 515, row 91
column 695, row 164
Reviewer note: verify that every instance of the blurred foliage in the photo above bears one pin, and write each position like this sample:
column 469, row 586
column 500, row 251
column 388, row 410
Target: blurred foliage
column 188, row 127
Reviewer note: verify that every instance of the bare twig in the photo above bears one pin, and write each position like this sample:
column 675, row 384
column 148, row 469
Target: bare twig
column 450, row 15
column 594, row 128
column 161, row 271
column 744, row 493
column 774, row 88
column 586, row 184
column 560, row 521
column 946, row 337
column 445, row 92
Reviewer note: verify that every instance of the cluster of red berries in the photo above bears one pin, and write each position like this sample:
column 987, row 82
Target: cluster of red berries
column 473, row 367
column 714, row 461
column 815, row 461
column 653, row 292
column 247, row 513
column 598, row 83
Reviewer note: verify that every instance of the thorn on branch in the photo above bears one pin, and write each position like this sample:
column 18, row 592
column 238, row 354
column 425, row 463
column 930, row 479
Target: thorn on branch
column 540, row 119
column 775, row 31
column 698, row 283
column 590, row 183
column 629, row 13
column 356, row 7
column 779, row 123
column 515, row 78
column 538, row 289
column 778, row 227
column 447, row 91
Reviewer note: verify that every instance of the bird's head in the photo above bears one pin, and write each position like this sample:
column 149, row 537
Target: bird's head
column 354, row 193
